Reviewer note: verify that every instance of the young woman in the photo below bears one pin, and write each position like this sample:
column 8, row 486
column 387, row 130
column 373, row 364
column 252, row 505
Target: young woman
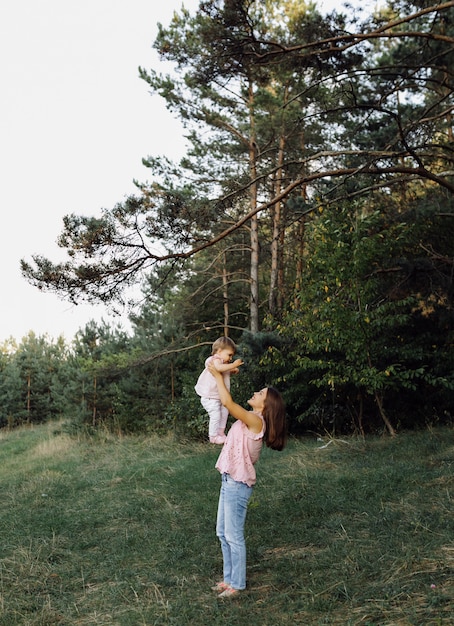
column 264, row 422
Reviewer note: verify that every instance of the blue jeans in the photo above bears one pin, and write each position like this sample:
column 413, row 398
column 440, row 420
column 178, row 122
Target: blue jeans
column 232, row 509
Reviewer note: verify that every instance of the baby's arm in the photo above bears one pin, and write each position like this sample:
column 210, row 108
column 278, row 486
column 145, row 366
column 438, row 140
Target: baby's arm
column 227, row 367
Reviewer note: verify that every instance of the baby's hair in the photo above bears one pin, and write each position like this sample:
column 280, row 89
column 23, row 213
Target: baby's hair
column 222, row 343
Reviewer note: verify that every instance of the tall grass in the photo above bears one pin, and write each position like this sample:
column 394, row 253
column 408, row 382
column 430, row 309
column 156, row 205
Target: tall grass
column 121, row 532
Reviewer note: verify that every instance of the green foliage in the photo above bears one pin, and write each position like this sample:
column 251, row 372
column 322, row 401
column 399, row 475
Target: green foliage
column 185, row 416
column 29, row 375
column 361, row 329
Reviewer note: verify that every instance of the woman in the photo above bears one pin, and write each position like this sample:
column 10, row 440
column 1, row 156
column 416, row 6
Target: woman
column 241, row 450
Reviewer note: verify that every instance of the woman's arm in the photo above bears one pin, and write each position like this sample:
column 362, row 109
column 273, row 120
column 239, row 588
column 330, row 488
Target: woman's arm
column 252, row 421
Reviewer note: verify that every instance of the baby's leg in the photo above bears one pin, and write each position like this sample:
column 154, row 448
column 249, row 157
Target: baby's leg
column 223, row 420
column 213, row 408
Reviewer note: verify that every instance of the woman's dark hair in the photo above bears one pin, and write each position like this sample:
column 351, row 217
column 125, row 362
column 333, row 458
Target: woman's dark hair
column 275, row 421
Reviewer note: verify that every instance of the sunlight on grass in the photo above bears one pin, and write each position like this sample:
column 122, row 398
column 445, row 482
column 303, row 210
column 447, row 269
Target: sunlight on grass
column 121, row 532
column 57, row 446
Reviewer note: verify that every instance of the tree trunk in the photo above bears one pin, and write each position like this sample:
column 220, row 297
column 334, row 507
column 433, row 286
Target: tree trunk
column 281, row 266
column 172, row 382
column 95, row 384
column 300, row 240
column 254, row 277
column 29, row 385
column 273, row 300
column 254, row 306
column 225, row 294
column 299, row 260
column 383, row 415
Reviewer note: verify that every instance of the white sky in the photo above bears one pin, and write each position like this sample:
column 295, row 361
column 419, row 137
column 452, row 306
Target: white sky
column 75, row 122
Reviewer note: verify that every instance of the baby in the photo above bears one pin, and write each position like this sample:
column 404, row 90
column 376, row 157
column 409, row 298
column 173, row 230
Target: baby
column 222, row 353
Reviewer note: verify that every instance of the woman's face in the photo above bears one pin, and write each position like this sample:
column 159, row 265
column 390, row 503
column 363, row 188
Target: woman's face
column 258, row 399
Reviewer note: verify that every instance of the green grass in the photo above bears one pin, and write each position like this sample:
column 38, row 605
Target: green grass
column 121, row 532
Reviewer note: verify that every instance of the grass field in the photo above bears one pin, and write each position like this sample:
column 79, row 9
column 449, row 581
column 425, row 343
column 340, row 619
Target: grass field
column 121, row 532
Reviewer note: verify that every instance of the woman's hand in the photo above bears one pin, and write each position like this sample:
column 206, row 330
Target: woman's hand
column 216, row 373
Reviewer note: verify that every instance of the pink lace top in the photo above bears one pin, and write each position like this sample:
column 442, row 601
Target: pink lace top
column 240, row 452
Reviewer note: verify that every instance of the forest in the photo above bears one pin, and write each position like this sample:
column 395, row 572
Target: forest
column 311, row 220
